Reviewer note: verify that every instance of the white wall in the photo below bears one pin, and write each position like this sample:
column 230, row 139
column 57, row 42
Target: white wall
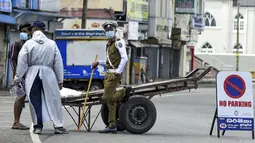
column 250, row 44
column 242, row 34
column 216, row 36
column 223, row 36
column 246, row 61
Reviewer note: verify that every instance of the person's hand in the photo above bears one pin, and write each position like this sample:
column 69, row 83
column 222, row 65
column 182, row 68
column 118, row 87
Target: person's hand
column 95, row 64
column 117, row 74
column 16, row 82
column 60, row 85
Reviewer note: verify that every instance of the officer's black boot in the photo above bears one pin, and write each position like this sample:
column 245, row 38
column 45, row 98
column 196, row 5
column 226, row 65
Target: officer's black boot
column 112, row 129
column 127, row 93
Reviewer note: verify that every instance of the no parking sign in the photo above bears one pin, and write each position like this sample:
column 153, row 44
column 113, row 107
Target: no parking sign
column 235, row 101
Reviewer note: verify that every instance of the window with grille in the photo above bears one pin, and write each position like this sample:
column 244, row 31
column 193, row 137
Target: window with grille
column 240, row 49
column 209, row 20
column 207, row 48
column 241, row 22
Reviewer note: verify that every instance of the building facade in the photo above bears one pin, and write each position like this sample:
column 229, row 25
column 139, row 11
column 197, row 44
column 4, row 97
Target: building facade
column 97, row 12
column 5, row 21
column 188, row 23
column 219, row 38
column 131, row 16
column 20, row 12
column 159, row 49
column 221, row 23
column 147, row 27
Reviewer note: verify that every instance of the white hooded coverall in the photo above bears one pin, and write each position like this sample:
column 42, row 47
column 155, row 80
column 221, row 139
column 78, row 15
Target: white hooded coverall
column 40, row 61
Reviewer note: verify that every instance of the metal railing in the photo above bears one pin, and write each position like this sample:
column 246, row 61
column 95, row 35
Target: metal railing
column 216, row 63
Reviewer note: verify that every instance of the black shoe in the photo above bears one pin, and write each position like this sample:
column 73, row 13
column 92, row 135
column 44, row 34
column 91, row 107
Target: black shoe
column 109, row 130
column 127, row 93
column 37, row 130
column 61, row 130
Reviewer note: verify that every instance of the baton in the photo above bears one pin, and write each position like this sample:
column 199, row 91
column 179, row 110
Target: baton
column 85, row 101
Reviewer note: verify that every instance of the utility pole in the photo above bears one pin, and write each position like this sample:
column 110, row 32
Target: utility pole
column 237, row 36
column 84, row 14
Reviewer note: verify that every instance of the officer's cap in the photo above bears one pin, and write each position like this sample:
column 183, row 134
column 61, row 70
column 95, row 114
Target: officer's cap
column 109, row 25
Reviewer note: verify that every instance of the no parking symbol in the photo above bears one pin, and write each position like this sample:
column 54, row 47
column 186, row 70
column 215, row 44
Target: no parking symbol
column 234, row 86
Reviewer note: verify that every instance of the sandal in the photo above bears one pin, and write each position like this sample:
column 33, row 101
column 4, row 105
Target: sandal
column 20, row 127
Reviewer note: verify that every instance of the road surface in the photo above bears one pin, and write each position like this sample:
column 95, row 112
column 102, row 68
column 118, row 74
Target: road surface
column 183, row 117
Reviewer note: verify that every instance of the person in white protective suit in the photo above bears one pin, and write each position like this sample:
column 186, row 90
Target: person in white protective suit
column 41, row 63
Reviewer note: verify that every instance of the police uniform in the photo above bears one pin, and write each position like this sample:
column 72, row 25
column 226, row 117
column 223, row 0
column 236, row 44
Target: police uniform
column 115, row 63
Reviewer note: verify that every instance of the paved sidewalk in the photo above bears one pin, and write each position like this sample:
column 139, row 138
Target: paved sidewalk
column 4, row 93
column 6, row 120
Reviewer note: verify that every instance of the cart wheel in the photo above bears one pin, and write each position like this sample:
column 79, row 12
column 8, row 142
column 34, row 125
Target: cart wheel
column 104, row 116
column 138, row 114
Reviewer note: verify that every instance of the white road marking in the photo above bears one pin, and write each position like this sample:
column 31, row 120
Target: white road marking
column 66, row 106
column 35, row 137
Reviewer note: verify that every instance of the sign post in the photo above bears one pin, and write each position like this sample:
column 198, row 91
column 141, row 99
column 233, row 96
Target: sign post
column 234, row 110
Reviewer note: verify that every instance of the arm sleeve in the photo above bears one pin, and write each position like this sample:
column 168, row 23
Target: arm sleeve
column 121, row 46
column 22, row 63
column 14, row 56
column 58, row 65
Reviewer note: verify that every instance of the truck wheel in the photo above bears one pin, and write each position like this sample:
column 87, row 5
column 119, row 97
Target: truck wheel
column 96, row 86
column 138, row 114
column 104, row 116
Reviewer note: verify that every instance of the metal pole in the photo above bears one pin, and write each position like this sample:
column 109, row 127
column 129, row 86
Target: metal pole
column 237, row 36
column 84, row 14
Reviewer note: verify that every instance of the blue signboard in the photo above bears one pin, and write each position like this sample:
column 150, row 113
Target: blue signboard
column 230, row 123
column 6, row 6
column 82, row 72
column 77, row 72
column 198, row 22
column 80, row 33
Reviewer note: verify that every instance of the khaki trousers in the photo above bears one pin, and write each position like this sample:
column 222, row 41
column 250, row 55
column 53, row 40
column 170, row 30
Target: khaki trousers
column 111, row 96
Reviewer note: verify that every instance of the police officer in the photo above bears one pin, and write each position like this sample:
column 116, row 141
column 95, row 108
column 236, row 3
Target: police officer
column 115, row 63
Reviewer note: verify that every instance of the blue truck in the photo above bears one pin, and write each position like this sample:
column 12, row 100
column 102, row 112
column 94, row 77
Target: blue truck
column 78, row 48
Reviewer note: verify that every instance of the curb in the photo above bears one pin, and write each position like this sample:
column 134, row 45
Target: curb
column 4, row 93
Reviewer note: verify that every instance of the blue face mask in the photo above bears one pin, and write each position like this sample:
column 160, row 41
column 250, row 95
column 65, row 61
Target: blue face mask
column 23, row 36
column 110, row 34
